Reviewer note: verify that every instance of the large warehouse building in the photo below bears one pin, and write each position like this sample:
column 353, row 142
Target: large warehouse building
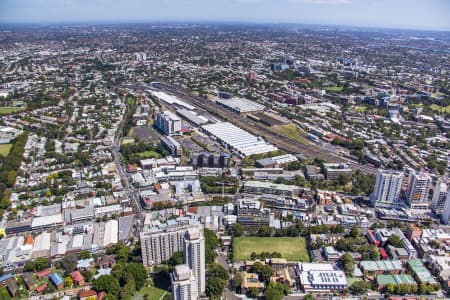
column 241, row 105
column 237, row 139
column 170, row 99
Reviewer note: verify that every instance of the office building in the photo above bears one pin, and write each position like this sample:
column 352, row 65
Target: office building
column 168, row 123
column 418, row 186
column 161, row 240
column 388, row 185
column 315, row 277
column 446, row 213
column 172, row 146
column 251, row 214
column 184, row 285
column 210, row 160
column 261, row 187
column 194, row 256
column 277, row 161
column 332, row 171
column 439, row 197
column 412, row 253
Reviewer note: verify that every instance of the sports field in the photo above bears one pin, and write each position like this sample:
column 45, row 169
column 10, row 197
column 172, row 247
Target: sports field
column 291, row 131
column 4, row 149
column 440, row 109
column 149, row 154
column 291, row 248
column 8, row 110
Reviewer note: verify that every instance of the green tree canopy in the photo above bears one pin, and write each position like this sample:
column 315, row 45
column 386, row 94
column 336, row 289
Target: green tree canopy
column 107, row 283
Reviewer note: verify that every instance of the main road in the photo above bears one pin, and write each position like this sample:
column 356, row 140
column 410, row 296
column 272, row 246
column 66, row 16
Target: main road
column 129, row 189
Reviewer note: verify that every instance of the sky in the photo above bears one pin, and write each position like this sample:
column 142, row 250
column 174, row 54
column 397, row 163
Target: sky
column 412, row 14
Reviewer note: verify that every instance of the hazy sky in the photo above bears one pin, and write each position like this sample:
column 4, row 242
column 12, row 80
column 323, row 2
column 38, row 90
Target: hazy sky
column 426, row 14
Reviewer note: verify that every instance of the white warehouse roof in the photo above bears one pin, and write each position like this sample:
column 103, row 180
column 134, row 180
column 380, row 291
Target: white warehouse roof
column 241, row 105
column 238, row 139
column 171, row 99
column 111, row 235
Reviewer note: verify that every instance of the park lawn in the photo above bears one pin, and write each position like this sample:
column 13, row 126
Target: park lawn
column 7, row 110
column 4, row 294
column 128, row 140
column 361, row 109
column 153, row 293
column 351, row 280
column 291, row 131
column 291, row 248
column 440, row 109
column 4, row 149
column 130, row 132
column 149, row 154
column 333, row 89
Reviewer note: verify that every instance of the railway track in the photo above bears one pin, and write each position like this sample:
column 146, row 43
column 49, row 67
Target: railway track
column 281, row 141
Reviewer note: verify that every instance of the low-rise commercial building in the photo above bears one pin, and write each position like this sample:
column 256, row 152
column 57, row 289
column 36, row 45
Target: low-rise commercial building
column 260, row 187
column 316, row 277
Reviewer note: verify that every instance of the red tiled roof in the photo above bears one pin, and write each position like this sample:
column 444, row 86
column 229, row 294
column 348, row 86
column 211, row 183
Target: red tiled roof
column 28, row 240
column 193, row 210
column 87, row 293
column 383, row 253
column 44, row 273
column 76, row 276
column 101, row 295
column 41, row 288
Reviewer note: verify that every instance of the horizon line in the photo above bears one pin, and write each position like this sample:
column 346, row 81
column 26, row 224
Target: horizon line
column 216, row 22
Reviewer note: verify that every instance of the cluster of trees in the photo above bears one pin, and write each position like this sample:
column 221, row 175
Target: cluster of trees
column 213, row 184
column 348, row 244
column 428, row 288
column 395, row 241
column 264, row 271
column 124, row 281
column 128, row 119
column 8, row 170
column 345, row 244
column 129, row 151
column 124, row 254
column 276, row 291
column 359, row 287
column 347, row 263
column 405, row 288
column 211, row 243
column 362, row 184
column 434, row 164
column 356, row 144
column 37, row 265
column 264, row 255
column 217, row 280
column 40, row 101
column 298, row 229
column 401, row 289
column 216, row 200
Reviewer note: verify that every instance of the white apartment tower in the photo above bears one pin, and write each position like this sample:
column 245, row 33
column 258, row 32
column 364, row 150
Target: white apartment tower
column 446, row 213
column 388, row 185
column 184, row 285
column 439, row 196
column 194, row 256
column 160, row 241
column 168, row 123
column 418, row 186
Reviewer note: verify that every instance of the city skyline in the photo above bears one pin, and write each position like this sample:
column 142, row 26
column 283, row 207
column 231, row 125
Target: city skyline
column 402, row 14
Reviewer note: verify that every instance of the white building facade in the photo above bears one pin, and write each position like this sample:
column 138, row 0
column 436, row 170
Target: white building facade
column 388, row 186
